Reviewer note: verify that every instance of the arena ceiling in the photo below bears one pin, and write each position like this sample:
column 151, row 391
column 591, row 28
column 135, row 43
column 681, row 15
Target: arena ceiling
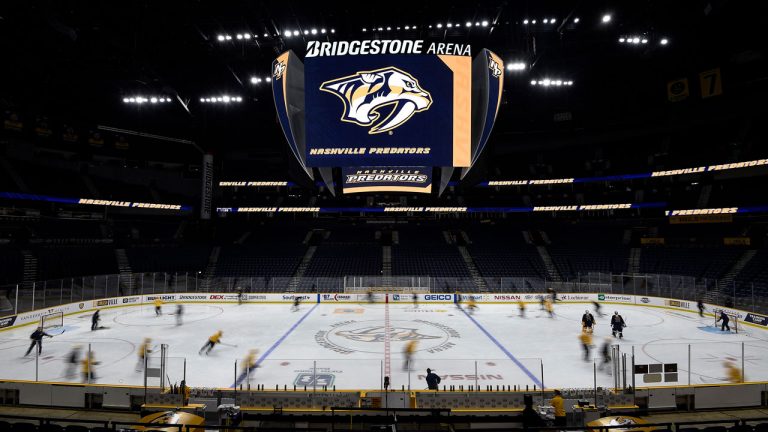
column 78, row 60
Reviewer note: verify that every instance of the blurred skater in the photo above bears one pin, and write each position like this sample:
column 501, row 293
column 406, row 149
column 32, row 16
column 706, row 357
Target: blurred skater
column 158, row 307
column 410, row 349
column 249, row 363
column 521, row 308
column 700, row 305
column 143, row 352
column 296, row 303
column 586, row 344
column 549, row 307
column 73, row 358
column 89, row 375
column 212, row 341
column 598, row 308
column 732, row 371
column 471, row 306
column 240, row 295
column 605, row 354
column 415, row 301
column 179, row 314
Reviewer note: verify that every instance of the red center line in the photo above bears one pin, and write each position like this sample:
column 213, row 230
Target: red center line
column 387, row 330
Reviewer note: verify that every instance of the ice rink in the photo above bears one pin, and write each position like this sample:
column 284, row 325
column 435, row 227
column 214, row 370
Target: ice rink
column 352, row 346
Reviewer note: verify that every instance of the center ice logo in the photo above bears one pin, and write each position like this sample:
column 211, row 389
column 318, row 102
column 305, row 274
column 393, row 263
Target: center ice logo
column 378, row 334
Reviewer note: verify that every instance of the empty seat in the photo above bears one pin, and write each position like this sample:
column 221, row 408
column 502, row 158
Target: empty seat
column 23, row 427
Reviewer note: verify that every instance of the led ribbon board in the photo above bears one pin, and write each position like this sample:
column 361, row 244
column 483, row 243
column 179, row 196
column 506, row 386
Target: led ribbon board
column 387, row 104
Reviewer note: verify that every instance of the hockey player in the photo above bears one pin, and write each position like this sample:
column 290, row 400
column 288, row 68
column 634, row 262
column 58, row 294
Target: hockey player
column 542, row 302
column 605, row 353
column 415, row 301
column 587, row 321
column 700, row 305
column 72, row 360
column 37, row 339
column 369, row 296
column 296, row 303
column 553, row 294
column 249, row 363
column 89, row 375
column 550, row 309
column 179, row 314
column 212, row 341
column 471, row 306
column 144, row 350
column 732, row 371
column 725, row 319
column 410, row 348
column 617, row 325
column 521, row 308
column 240, row 295
column 458, row 300
column 158, row 307
column 597, row 309
column 586, row 344
column 95, row 320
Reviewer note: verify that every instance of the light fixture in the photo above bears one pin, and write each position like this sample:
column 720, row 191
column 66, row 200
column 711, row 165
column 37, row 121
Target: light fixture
column 239, row 36
column 322, row 31
column 636, row 40
column 621, row 40
column 246, row 36
column 533, row 82
column 314, row 31
column 449, row 25
column 295, row 32
column 228, row 37
column 533, row 21
column 220, row 38
column 397, row 28
column 306, row 32
column 468, row 24
column 254, row 80
column 407, row 27
column 645, row 41
column 364, row 30
column 576, row 20
column 268, row 79
column 439, row 25
column 552, row 20
column 389, row 28
column 546, row 81
column 606, row 18
column 516, row 66
column 525, row 22
column 288, row 33
column 381, row 29
column 267, row 35
column 485, row 23
column 664, row 41
column 333, row 30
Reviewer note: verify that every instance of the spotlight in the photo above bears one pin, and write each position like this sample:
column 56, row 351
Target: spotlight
column 397, row 28
column 246, row 36
column 333, row 30
column 533, row 21
column 322, row 31
column 306, row 32
column 267, row 35
column 645, row 41
column 389, row 28
column 314, row 31
column 131, row 100
column 516, row 66
column 153, row 100
column 254, row 80
column 220, row 38
column 468, row 24
column 485, row 23
column 636, row 40
column 477, row 23
column 407, row 27
column 413, row 27
column 126, row 100
column 541, row 82
column 430, row 26
column 525, row 22
column 239, row 99
column 552, row 20
column 226, row 99
column 439, row 25
column 558, row 83
column 606, row 18
column 576, row 20
column 664, row 41
column 449, row 25
column 239, row 36
column 621, row 40
column 219, row 99
column 287, row 33
column 228, row 37
column 268, row 79
column 381, row 29
column 546, row 81
column 202, row 99
column 295, row 32
column 364, row 30
column 533, row 82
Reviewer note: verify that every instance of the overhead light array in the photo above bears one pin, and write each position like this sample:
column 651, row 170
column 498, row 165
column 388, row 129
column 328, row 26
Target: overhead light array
column 289, row 33
column 516, row 66
column 146, row 99
column 223, row 99
column 225, row 37
column 552, row 82
column 258, row 80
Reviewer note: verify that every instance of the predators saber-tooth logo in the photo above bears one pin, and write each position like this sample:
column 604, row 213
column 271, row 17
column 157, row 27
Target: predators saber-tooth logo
column 494, row 67
column 365, row 93
column 378, row 333
column 277, row 73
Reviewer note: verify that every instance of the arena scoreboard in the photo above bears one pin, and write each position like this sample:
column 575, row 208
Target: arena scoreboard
column 382, row 115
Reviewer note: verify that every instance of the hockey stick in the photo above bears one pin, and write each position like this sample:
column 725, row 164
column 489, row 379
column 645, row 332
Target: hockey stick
column 229, row 345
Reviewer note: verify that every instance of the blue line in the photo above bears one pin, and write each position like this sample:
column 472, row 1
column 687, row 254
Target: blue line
column 501, row 347
column 279, row 341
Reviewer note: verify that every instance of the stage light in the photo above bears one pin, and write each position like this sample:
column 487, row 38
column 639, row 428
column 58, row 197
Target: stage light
column 306, row 32
column 381, row 29
column 267, row 35
column 254, row 80
column 516, row 66
column 552, row 20
column 397, row 28
column 485, row 23
column 645, row 41
column 664, row 41
column 468, row 24
column 333, row 30
column 228, row 37
column 239, row 36
column 407, row 27
column 126, row 100
column 226, row 99
column 546, row 81
column 268, row 79
column 525, row 22
column 636, row 40
column 295, row 32
column 220, row 38
column 322, row 31
column 621, row 40
column 287, row 33
column 477, row 23
column 533, row 21
column 449, row 25
column 533, row 82
column 558, row 82
column 364, row 30
column 153, row 100
column 202, row 99
column 430, row 26
column 239, row 99
column 607, row 18
column 314, row 31
column 246, row 36
column 389, row 28
column 439, row 25
column 576, row 20
column 414, row 28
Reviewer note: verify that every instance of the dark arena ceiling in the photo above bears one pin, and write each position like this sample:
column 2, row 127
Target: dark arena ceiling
column 77, row 60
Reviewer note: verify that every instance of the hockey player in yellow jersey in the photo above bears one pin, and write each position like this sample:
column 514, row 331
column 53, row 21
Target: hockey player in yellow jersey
column 549, row 308
column 212, row 341
column 249, row 362
column 410, row 349
column 89, row 376
column 521, row 308
column 733, row 372
column 143, row 351
column 471, row 305
column 158, row 307
column 586, row 343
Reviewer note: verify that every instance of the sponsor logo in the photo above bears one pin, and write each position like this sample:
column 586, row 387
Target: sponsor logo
column 396, row 297
column 130, row 300
column 601, row 297
column 192, row 297
column 348, row 311
column 616, row 298
column 645, row 300
column 337, row 297
column 257, row 297
column 81, row 305
column 320, row 377
column 7, row 321
column 493, row 65
column 292, row 297
column 161, row 297
column 574, row 297
column 365, row 93
column 751, row 317
column 278, row 71
column 506, row 297
column 440, row 297
column 466, row 377
column 678, row 303
column 352, row 336
column 104, row 302
column 217, row 297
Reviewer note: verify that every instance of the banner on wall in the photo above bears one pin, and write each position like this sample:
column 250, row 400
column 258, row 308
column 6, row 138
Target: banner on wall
column 206, row 200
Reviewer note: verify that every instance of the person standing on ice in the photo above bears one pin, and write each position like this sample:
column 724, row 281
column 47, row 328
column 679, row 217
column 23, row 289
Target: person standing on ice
column 410, row 348
column 700, row 305
column 586, row 343
column 95, row 320
column 617, row 325
column 587, row 321
column 724, row 318
column 296, row 302
column 179, row 313
column 432, row 380
column 37, row 339
column 158, row 307
column 521, row 308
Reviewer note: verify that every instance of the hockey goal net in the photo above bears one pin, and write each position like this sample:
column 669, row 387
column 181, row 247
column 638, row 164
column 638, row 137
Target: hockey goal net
column 733, row 322
column 52, row 320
